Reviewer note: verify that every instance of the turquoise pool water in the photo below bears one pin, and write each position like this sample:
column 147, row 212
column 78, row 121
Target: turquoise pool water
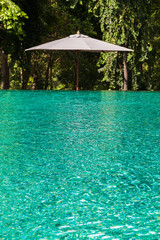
column 79, row 165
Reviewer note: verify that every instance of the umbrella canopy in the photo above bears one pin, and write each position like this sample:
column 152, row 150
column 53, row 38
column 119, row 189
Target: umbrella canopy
column 79, row 42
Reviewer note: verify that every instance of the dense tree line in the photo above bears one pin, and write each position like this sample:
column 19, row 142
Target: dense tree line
column 133, row 24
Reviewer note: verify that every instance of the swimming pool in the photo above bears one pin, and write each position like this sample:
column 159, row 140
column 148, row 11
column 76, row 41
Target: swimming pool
column 79, row 165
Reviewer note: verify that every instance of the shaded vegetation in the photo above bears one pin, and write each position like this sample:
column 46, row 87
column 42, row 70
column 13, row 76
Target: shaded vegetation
column 133, row 24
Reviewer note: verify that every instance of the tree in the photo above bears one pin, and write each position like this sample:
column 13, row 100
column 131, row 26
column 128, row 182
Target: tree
column 128, row 23
column 11, row 22
column 125, row 23
column 36, row 27
column 154, row 55
column 59, row 72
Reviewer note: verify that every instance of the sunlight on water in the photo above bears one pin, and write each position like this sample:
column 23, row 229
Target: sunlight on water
column 79, row 165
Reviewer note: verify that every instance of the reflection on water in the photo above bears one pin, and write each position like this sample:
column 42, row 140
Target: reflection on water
column 79, row 165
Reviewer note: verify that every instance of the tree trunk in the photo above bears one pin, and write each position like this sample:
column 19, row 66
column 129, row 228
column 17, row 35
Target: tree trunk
column 4, row 71
column 47, row 75
column 51, row 82
column 26, row 72
column 25, row 78
column 125, row 86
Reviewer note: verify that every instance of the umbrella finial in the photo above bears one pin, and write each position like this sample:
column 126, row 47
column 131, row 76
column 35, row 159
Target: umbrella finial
column 78, row 32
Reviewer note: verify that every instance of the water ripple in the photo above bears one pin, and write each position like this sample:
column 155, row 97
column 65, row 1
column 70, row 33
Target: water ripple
column 79, row 165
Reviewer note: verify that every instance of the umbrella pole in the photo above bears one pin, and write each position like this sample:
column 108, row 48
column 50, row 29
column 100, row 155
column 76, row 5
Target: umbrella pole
column 77, row 82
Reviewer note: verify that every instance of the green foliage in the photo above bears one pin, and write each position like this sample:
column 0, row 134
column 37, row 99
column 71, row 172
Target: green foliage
column 73, row 3
column 11, row 17
column 134, row 24
column 63, row 64
column 15, row 75
column 155, row 53
column 126, row 23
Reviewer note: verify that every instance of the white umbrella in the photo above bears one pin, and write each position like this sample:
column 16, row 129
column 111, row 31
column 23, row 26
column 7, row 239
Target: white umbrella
column 79, row 42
